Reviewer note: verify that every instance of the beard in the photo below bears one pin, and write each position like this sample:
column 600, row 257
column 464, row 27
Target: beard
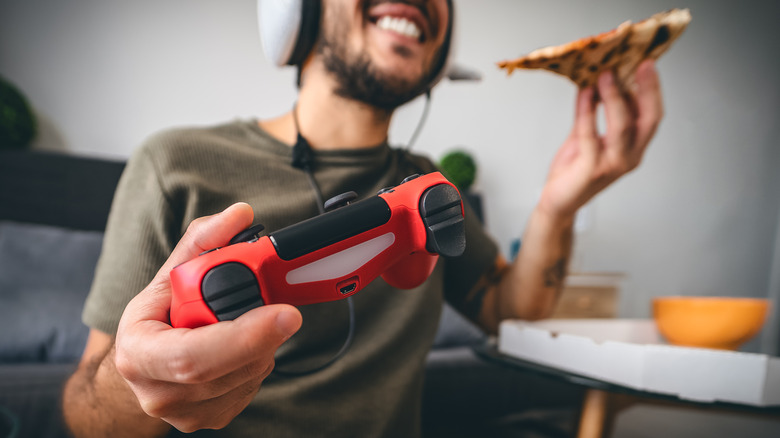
column 358, row 78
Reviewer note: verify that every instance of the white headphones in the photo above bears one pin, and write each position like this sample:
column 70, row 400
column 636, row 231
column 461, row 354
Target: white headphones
column 289, row 28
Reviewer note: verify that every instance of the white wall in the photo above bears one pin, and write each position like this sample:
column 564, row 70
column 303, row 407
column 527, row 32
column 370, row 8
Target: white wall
column 698, row 217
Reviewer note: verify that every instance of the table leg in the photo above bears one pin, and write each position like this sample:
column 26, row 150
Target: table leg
column 594, row 412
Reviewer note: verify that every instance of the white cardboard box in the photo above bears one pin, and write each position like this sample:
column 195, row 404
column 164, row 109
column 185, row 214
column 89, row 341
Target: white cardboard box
column 631, row 353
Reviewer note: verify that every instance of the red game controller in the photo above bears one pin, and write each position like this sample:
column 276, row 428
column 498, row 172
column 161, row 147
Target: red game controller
column 398, row 234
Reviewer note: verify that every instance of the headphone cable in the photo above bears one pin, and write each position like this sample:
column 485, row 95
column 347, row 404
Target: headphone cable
column 421, row 122
column 303, row 158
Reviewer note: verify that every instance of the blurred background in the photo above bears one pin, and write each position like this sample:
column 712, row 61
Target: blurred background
column 701, row 216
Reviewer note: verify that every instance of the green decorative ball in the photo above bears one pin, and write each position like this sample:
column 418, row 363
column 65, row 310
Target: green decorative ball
column 460, row 168
column 17, row 121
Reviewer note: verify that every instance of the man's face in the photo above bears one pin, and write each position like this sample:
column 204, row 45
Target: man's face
column 383, row 52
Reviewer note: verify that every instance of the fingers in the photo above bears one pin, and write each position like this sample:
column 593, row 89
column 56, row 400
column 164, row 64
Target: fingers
column 585, row 129
column 649, row 102
column 209, row 232
column 585, row 114
column 196, row 378
column 202, row 378
column 620, row 116
column 153, row 303
column 215, row 413
column 167, row 396
column 211, row 405
column 154, row 351
column 631, row 118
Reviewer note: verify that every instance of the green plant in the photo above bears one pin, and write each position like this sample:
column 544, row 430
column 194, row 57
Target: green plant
column 459, row 167
column 17, row 121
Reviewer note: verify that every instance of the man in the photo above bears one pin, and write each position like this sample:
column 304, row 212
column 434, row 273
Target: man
column 139, row 376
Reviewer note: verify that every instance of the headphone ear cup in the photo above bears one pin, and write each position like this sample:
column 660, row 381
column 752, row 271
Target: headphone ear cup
column 288, row 29
column 445, row 63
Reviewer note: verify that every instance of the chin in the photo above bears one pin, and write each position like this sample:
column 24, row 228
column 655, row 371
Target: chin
column 399, row 67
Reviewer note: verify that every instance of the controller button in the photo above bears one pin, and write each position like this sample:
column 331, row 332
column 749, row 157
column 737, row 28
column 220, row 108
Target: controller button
column 442, row 214
column 339, row 201
column 251, row 234
column 385, row 190
column 230, row 290
column 410, row 177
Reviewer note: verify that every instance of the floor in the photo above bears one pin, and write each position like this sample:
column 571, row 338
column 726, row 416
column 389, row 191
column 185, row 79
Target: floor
column 643, row 421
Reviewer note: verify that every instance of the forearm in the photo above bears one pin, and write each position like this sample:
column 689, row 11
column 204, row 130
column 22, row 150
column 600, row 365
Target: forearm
column 529, row 289
column 97, row 402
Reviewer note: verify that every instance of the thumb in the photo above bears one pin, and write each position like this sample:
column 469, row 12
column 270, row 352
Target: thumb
column 153, row 303
column 209, row 352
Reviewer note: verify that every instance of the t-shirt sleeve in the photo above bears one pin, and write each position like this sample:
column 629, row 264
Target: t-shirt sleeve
column 462, row 274
column 139, row 237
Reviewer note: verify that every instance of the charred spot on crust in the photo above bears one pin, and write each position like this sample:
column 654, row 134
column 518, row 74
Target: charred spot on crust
column 584, row 83
column 592, row 68
column 661, row 36
column 608, row 56
column 593, row 44
column 554, row 66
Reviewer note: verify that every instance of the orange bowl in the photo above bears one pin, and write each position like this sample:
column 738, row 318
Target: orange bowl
column 712, row 322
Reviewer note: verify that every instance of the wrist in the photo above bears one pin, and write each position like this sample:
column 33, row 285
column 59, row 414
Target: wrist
column 552, row 219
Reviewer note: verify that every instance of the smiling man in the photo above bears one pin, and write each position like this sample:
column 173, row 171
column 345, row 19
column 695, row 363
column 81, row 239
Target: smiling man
column 389, row 53
column 265, row 374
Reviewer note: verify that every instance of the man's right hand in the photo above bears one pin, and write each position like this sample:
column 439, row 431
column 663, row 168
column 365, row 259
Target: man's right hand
column 194, row 378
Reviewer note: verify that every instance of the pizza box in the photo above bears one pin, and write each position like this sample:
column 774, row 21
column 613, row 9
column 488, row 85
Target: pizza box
column 630, row 352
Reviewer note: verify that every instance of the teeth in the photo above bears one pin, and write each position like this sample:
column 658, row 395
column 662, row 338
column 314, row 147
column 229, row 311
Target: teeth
column 399, row 25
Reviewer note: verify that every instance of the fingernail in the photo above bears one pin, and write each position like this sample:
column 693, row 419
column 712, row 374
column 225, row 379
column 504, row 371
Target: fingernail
column 237, row 204
column 288, row 322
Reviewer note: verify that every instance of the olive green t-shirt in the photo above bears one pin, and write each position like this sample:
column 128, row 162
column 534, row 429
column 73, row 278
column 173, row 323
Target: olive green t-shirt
column 374, row 389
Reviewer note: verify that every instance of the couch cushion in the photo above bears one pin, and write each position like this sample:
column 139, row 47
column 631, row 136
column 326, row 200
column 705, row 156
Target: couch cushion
column 45, row 275
column 456, row 331
column 30, row 403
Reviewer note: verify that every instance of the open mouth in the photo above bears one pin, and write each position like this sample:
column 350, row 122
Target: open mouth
column 403, row 19
column 401, row 26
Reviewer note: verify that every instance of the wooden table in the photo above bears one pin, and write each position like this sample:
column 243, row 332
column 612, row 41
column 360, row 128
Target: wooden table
column 603, row 401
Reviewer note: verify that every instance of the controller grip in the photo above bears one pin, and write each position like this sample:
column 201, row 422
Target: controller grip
column 441, row 210
column 230, row 290
column 411, row 271
column 205, row 292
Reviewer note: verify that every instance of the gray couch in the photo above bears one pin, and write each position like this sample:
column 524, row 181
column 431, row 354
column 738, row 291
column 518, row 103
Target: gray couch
column 53, row 208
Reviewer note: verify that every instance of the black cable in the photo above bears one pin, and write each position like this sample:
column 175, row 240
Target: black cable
column 317, row 192
column 344, row 347
column 303, row 158
column 421, row 123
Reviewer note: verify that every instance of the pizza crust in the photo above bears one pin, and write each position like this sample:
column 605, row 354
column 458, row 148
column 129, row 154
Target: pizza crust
column 621, row 49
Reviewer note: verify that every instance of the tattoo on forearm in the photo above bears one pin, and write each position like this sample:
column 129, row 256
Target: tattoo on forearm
column 555, row 274
column 472, row 304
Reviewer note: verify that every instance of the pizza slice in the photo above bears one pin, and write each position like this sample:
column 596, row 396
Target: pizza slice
column 621, row 49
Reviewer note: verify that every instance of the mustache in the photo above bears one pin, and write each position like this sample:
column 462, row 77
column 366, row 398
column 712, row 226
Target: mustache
column 421, row 5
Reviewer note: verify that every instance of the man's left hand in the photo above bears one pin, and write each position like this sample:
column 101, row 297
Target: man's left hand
column 588, row 161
